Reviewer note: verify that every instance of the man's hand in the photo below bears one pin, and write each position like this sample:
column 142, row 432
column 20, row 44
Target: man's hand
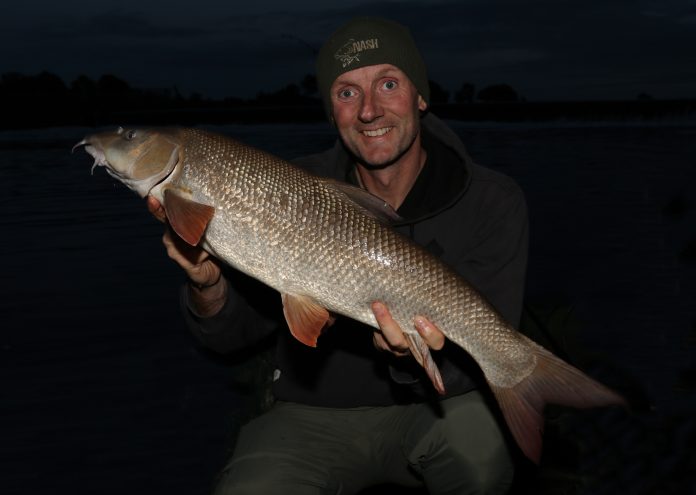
column 391, row 338
column 201, row 269
column 156, row 208
column 208, row 286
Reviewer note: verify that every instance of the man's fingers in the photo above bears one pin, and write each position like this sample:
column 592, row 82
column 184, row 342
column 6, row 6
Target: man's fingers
column 156, row 208
column 391, row 334
column 185, row 255
column 392, row 338
column 383, row 345
column 199, row 266
column 379, row 341
column 430, row 333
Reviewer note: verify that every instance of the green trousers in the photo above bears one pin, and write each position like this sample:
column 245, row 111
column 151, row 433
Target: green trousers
column 297, row 449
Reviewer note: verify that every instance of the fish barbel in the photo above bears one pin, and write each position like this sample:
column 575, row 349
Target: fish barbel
column 327, row 247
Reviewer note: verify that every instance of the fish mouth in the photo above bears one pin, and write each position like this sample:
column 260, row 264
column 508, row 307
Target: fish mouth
column 97, row 154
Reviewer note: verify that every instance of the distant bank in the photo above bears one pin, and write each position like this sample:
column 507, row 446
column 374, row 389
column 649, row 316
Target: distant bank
column 629, row 110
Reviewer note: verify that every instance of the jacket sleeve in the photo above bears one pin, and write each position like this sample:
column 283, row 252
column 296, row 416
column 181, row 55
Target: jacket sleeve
column 248, row 316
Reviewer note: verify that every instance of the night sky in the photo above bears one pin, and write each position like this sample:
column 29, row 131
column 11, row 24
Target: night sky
column 545, row 49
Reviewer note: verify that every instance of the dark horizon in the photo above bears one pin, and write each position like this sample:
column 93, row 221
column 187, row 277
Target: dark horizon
column 467, row 91
column 45, row 99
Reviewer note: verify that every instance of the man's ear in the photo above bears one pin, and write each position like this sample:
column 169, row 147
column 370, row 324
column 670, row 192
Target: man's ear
column 422, row 105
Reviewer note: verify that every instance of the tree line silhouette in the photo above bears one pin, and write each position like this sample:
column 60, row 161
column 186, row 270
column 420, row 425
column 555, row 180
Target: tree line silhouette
column 45, row 99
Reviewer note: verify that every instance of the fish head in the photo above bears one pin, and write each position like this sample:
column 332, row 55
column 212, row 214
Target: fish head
column 140, row 158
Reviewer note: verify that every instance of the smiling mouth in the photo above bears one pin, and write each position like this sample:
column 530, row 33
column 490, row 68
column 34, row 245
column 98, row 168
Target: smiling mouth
column 377, row 132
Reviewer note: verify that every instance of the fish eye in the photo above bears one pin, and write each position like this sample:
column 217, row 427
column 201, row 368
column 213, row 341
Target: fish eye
column 130, row 134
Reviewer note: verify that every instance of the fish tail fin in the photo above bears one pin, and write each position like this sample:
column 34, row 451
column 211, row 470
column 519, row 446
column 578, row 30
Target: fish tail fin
column 553, row 381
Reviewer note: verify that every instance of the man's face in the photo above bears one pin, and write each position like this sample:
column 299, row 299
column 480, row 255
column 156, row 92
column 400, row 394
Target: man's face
column 376, row 110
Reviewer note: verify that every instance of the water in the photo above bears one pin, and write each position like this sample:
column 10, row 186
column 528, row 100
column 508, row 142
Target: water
column 103, row 391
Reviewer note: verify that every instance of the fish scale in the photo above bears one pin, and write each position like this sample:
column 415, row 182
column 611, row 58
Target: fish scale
column 327, row 246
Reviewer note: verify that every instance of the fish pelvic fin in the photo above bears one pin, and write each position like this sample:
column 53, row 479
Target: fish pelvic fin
column 188, row 218
column 420, row 350
column 306, row 318
column 553, row 381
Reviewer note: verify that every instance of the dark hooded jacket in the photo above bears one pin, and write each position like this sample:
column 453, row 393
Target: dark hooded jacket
column 471, row 217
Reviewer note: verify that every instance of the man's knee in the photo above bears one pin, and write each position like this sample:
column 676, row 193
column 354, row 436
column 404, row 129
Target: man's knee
column 449, row 474
column 235, row 482
column 464, row 451
column 495, row 477
column 272, row 473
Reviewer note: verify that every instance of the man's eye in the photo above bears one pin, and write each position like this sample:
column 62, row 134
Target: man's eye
column 389, row 85
column 345, row 93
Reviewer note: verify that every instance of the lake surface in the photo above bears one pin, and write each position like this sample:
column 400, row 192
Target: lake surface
column 103, row 391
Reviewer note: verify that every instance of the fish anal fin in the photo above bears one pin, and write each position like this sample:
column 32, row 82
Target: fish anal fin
column 553, row 381
column 306, row 318
column 421, row 352
column 375, row 206
column 188, row 218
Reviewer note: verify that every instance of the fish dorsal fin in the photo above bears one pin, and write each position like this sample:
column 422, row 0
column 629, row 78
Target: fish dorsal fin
column 375, row 206
column 306, row 318
column 188, row 218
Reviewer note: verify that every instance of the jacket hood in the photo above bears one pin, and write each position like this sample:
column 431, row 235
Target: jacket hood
column 445, row 177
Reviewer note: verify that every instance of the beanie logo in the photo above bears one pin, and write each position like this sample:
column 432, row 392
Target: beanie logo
column 350, row 52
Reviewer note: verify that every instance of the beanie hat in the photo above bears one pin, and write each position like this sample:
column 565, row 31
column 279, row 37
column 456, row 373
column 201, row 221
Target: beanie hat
column 369, row 41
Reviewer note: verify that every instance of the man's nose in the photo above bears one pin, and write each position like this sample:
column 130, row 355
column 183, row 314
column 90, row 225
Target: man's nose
column 370, row 108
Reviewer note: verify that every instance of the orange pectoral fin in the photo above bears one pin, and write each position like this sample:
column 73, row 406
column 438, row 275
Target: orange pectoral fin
column 188, row 218
column 305, row 318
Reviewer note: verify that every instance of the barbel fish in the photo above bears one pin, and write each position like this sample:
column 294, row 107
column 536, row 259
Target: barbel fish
column 328, row 247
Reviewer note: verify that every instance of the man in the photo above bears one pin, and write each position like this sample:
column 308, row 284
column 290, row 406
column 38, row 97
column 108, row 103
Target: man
column 347, row 414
